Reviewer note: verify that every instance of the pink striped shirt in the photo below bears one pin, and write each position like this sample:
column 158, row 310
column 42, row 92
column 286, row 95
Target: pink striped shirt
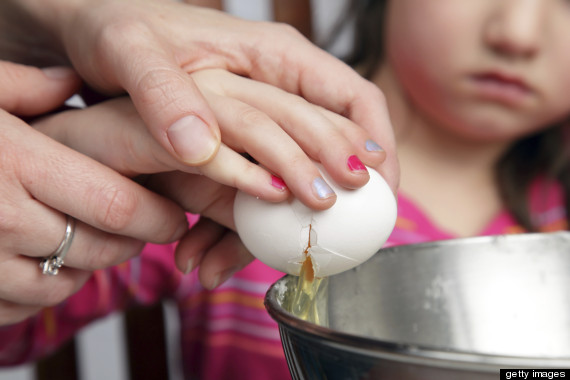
column 226, row 333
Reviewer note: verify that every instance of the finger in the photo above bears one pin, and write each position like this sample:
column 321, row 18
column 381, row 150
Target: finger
column 330, row 84
column 197, row 194
column 166, row 97
column 250, row 130
column 221, row 261
column 78, row 186
column 217, row 251
column 231, row 169
column 372, row 114
column 131, row 150
column 192, row 247
column 371, row 153
column 317, row 135
column 90, row 248
column 113, row 134
column 28, row 90
column 11, row 312
column 24, row 283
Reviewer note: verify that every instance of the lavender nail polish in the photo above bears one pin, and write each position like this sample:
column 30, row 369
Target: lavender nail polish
column 322, row 189
column 371, row 146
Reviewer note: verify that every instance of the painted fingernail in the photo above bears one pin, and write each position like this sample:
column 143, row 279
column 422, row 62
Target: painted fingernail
column 322, row 188
column 371, row 146
column 354, row 164
column 278, row 183
column 192, row 140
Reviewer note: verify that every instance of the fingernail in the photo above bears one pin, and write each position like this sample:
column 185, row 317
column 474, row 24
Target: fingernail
column 215, row 282
column 278, row 183
column 192, row 139
column 189, row 266
column 223, row 276
column 58, row 72
column 322, row 188
column 371, row 146
column 354, row 164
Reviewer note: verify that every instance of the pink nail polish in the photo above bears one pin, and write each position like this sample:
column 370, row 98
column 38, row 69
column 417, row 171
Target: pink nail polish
column 354, row 164
column 278, row 183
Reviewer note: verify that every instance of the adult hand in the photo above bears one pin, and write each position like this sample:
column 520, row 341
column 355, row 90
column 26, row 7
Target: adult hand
column 146, row 47
column 42, row 180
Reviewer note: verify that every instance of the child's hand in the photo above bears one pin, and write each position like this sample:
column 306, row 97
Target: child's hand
column 212, row 245
column 281, row 131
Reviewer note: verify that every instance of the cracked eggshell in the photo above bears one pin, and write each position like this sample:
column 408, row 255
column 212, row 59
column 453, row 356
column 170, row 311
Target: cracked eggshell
column 341, row 237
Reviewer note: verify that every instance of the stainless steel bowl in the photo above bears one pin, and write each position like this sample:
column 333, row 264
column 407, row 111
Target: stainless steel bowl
column 457, row 309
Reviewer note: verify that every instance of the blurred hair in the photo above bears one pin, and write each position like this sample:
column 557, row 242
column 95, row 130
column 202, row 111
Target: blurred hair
column 543, row 155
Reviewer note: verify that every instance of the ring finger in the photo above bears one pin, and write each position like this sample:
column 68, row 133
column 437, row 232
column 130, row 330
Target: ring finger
column 90, row 248
column 24, row 283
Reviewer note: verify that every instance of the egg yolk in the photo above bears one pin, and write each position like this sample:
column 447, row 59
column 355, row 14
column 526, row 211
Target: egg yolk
column 304, row 300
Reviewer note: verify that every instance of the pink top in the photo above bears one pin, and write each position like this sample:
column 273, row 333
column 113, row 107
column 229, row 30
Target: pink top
column 226, row 331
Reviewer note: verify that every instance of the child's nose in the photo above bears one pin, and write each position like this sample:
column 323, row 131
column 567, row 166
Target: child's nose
column 515, row 26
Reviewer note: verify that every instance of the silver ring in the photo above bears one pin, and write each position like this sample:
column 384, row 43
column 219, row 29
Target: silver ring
column 50, row 265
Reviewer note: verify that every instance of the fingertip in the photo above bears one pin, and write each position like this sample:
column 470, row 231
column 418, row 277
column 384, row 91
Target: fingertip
column 320, row 196
column 372, row 154
column 180, row 231
column 28, row 90
column 372, row 146
column 278, row 183
column 60, row 73
column 186, row 257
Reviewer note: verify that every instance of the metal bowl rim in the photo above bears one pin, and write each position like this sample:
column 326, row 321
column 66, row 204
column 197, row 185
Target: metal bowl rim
column 417, row 353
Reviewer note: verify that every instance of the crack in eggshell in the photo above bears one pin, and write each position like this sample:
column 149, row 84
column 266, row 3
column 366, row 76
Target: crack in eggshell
column 320, row 256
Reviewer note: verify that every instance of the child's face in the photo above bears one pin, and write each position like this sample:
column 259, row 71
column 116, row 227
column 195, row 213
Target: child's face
column 485, row 69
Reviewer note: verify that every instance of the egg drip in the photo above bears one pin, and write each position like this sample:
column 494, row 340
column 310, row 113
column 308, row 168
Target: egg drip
column 310, row 289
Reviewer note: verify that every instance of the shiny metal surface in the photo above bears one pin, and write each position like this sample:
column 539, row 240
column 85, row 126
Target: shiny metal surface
column 458, row 309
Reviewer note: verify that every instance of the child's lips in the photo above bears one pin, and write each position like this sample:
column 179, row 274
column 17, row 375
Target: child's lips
column 502, row 87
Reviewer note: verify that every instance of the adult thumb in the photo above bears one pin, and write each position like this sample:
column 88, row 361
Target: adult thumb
column 173, row 109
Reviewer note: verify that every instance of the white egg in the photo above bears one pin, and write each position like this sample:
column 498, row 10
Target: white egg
column 337, row 239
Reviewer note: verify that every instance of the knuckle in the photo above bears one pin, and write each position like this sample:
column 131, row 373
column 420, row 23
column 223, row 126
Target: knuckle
column 119, row 31
column 115, row 208
column 10, row 222
column 284, row 29
column 162, row 87
column 375, row 93
column 297, row 104
column 251, row 117
column 156, row 79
